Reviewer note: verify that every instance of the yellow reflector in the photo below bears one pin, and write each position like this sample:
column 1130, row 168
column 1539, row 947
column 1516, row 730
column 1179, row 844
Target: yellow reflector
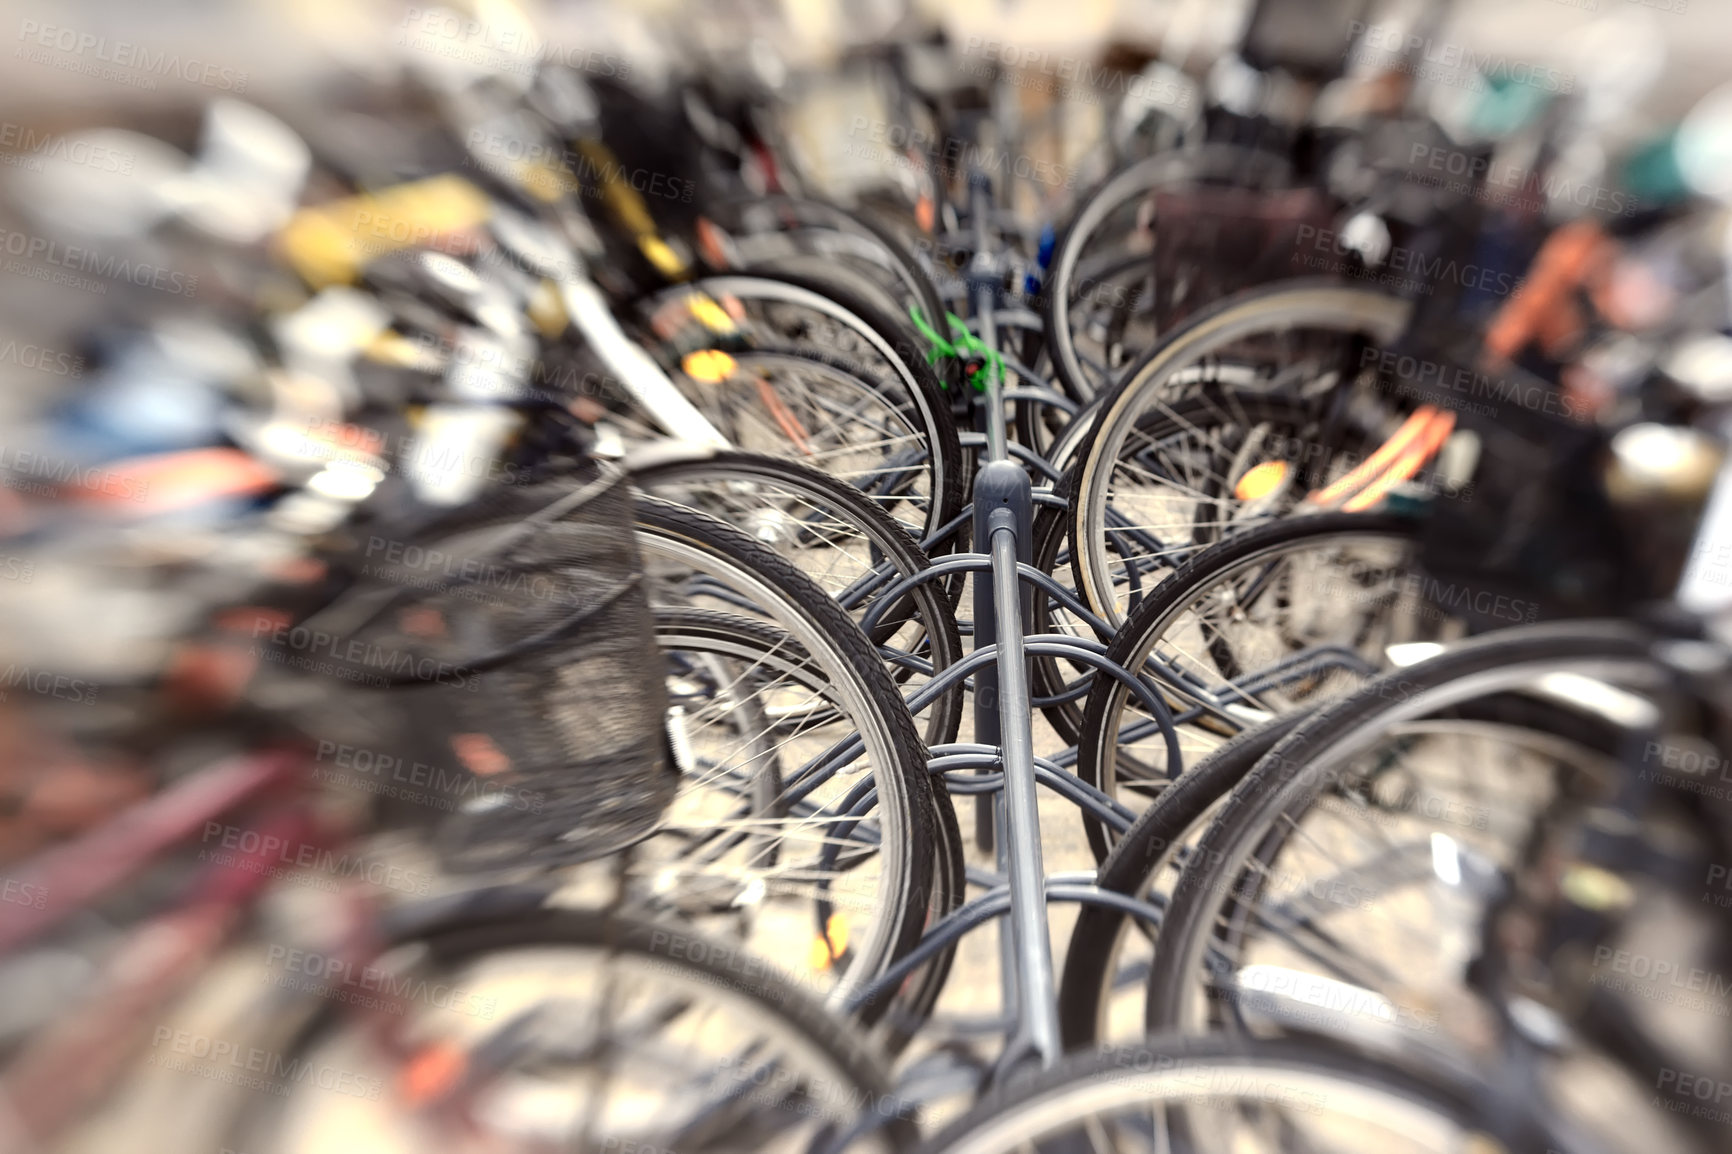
column 1593, row 888
column 667, row 261
column 328, row 244
column 833, row 944
column 389, row 348
column 547, row 310
column 545, row 182
column 710, row 366
column 710, row 314
column 1261, row 481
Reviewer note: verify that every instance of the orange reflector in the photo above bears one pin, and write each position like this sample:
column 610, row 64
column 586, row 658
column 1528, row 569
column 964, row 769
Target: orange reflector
column 422, row 621
column 709, row 366
column 432, row 1073
column 712, row 243
column 479, row 754
column 1261, row 481
column 177, row 480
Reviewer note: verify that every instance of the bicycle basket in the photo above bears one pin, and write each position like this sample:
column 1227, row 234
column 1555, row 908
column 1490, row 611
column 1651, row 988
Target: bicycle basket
column 1531, row 534
column 522, row 669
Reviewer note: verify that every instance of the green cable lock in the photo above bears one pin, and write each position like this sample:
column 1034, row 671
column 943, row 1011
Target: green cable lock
column 966, row 343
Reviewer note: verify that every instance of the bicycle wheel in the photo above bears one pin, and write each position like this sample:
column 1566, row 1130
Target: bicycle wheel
column 843, row 540
column 695, row 562
column 774, row 831
column 1145, row 862
column 1373, row 828
column 1240, row 1096
column 1276, row 619
column 1137, row 510
column 822, row 376
column 1096, row 302
column 540, row 1028
column 811, row 238
column 1101, row 995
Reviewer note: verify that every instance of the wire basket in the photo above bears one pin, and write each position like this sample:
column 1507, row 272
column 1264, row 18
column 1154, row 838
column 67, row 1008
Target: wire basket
column 518, row 657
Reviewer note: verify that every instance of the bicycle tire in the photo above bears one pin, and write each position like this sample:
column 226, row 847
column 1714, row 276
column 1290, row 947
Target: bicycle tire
column 892, row 339
column 482, row 925
column 1290, row 1071
column 818, row 624
column 1164, row 825
column 907, row 264
column 1135, row 180
column 1294, row 768
column 924, row 602
column 1276, row 308
column 897, row 1019
column 1150, row 620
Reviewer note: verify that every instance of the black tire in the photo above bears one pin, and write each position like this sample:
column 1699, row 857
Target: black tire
column 1295, row 771
column 1306, row 305
column 897, row 1019
column 479, row 927
column 1150, row 620
column 905, row 356
column 1132, row 865
column 1129, row 183
column 1018, row 1115
column 1144, row 849
column 817, row 623
column 1217, row 422
column 909, row 270
column 925, row 603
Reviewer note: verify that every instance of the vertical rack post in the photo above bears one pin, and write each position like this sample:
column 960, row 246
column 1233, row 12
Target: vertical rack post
column 1004, row 713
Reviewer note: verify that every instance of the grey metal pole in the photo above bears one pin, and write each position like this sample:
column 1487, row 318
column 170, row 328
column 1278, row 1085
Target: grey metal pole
column 1036, row 1039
